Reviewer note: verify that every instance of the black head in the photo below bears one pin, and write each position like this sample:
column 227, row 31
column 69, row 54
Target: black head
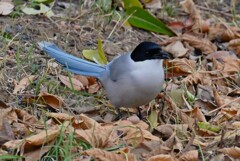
column 147, row 51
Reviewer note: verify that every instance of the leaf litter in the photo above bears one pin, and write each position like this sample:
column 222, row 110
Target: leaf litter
column 196, row 118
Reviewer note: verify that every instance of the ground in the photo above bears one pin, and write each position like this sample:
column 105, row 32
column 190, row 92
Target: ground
column 78, row 28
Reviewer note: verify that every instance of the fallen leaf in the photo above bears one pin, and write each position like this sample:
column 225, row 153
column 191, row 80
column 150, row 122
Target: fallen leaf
column 83, row 80
column 189, row 156
column 71, row 83
column 179, row 67
column 199, row 25
column 177, row 49
column 23, row 83
column 232, row 151
column 94, row 88
column 6, row 8
column 60, row 116
column 43, row 10
column 98, row 137
column 153, row 119
column 103, row 155
column 162, row 157
column 13, row 144
column 51, row 100
column 42, row 138
column 204, row 44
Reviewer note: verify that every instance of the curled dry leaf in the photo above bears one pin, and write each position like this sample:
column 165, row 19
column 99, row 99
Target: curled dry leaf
column 189, row 156
column 232, row 151
column 180, row 67
column 87, row 122
column 23, row 83
column 52, row 100
column 177, row 49
column 43, row 137
column 93, row 88
column 223, row 32
column 204, row 44
column 197, row 113
column 71, row 83
column 198, row 77
column 12, row 144
column 167, row 130
column 103, row 155
column 6, row 8
column 235, row 46
column 60, row 116
column 99, row 137
column 82, row 79
column 162, row 157
column 199, row 24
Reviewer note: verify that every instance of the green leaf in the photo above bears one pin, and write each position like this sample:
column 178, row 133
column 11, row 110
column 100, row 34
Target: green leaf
column 97, row 56
column 43, row 10
column 143, row 19
column 101, row 52
column 131, row 3
column 43, row 1
column 208, row 126
column 153, row 119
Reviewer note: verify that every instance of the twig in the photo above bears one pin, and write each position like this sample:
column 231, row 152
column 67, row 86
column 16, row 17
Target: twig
column 226, row 104
column 216, row 11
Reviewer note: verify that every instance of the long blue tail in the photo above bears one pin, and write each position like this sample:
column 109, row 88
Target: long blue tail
column 74, row 64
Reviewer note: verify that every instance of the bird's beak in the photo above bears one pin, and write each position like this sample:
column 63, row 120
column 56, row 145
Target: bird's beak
column 164, row 55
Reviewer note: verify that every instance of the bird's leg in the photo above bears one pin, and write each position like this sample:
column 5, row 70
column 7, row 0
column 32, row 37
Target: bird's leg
column 139, row 113
column 119, row 114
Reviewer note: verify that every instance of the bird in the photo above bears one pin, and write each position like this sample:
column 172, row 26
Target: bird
column 130, row 80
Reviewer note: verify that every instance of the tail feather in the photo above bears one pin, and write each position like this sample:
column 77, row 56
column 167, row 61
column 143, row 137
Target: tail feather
column 74, row 64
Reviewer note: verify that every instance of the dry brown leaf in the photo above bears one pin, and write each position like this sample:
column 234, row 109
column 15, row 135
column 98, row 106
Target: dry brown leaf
column 223, row 32
column 162, row 157
column 180, row 67
column 36, row 154
column 87, row 122
column 224, row 62
column 6, row 132
column 24, row 116
column 235, row 46
column 199, row 77
column 197, row 114
column 60, row 116
column 13, row 144
column 204, row 44
column 43, row 137
column 3, row 105
column 6, row 8
column 232, row 151
column 76, row 84
column 23, row 83
column 103, row 155
column 167, row 130
column 52, row 100
column 189, row 156
column 199, row 25
column 82, row 79
column 99, row 137
column 177, row 49
column 94, row 88
column 236, row 124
